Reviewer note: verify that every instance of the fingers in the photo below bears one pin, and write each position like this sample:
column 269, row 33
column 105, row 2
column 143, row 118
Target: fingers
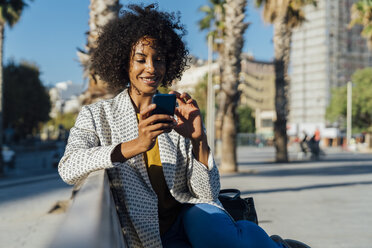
column 158, row 118
column 175, row 93
column 154, row 123
column 185, row 96
column 146, row 112
column 182, row 98
column 151, row 132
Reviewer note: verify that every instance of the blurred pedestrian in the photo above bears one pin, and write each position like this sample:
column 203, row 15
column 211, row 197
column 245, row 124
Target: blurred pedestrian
column 303, row 143
column 314, row 144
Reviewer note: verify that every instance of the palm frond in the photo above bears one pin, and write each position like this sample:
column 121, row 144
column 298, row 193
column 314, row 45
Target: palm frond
column 10, row 11
column 361, row 14
column 206, row 9
column 213, row 19
column 205, row 23
column 289, row 10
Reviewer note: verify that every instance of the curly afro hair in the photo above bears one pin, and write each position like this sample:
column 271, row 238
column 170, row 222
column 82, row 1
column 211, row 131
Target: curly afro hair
column 111, row 57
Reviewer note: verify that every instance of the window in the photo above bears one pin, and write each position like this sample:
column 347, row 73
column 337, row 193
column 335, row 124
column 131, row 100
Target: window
column 267, row 123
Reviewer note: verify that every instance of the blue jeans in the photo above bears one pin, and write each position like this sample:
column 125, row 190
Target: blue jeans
column 204, row 225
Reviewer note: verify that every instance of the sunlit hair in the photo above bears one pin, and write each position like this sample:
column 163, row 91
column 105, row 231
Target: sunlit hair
column 110, row 60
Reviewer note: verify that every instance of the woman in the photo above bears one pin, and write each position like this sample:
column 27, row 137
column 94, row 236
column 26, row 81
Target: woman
column 163, row 176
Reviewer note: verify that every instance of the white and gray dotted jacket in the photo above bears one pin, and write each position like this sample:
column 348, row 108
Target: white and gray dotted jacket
column 99, row 128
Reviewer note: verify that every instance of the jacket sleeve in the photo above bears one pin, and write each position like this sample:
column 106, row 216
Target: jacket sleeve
column 84, row 153
column 203, row 182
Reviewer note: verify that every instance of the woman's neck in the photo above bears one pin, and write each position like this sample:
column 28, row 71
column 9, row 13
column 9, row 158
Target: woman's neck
column 139, row 99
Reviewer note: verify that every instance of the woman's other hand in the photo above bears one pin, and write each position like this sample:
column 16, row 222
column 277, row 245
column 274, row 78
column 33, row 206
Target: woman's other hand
column 190, row 125
column 189, row 122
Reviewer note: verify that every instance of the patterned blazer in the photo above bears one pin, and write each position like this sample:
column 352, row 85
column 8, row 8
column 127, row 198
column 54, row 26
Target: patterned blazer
column 99, row 128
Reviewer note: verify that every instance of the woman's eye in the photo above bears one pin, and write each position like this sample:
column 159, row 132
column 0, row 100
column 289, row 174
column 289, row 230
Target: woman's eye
column 140, row 61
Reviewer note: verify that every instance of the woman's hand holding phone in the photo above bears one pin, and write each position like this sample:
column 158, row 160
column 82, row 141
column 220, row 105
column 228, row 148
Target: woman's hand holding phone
column 150, row 126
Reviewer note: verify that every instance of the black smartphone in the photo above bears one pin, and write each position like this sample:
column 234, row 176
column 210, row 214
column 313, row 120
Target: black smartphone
column 165, row 104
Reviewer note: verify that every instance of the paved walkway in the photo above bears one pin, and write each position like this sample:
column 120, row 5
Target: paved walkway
column 24, row 207
column 326, row 203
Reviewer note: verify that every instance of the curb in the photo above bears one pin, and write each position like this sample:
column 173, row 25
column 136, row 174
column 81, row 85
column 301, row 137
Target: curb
column 15, row 182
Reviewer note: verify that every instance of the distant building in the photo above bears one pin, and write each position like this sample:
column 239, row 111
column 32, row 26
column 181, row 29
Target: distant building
column 257, row 84
column 324, row 55
column 65, row 98
column 193, row 75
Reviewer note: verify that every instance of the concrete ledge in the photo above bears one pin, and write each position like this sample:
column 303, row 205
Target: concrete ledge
column 92, row 220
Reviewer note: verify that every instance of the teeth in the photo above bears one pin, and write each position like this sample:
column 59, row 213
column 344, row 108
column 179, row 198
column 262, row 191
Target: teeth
column 149, row 79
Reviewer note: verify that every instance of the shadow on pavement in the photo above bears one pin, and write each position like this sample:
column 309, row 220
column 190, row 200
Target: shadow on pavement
column 316, row 171
column 328, row 160
column 30, row 190
column 318, row 186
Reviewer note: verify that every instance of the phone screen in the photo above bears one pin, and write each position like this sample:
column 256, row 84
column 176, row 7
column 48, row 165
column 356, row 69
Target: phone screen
column 165, row 104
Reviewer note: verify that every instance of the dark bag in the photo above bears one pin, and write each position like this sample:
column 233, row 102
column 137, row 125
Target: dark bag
column 239, row 208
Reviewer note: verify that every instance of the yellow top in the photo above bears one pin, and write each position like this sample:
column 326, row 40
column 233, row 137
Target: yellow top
column 153, row 155
column 168, row 207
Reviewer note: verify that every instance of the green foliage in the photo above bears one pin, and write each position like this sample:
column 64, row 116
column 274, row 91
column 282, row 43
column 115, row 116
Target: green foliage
column 361, row 14
column 67, row 120
column 200, row 95
column 336, row 110
column 164, row 90
column 26, row 101
column 214, row 21
column 362, row 98
column 246, row 122
column 361, row 101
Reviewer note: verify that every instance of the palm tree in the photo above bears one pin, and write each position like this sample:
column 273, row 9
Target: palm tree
column 10, row 13
column 285, row 15
column 233, row 44
column 101, row 12
column 214, row 22
column 361, row 13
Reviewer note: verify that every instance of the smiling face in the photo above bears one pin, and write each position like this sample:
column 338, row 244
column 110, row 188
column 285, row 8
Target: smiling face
column 146, row 67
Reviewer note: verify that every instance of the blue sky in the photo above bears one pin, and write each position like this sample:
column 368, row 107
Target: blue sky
column 50, row 31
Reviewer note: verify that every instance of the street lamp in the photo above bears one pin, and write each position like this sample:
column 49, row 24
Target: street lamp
column 348, row 111
column 210, row 98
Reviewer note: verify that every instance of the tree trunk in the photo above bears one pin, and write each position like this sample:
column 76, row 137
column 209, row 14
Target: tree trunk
column 101, row 12
column 235, row 27
column 282, row 41
column 2, row 26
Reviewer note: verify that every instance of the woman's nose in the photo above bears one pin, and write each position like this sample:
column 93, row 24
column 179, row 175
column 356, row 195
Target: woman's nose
column 150, row 66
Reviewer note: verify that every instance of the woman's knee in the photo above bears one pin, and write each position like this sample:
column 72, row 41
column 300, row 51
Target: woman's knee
column 253, row 235
column 206, row 214
column 208, row 226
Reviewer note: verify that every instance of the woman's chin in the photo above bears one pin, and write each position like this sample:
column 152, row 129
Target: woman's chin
column 152, row 85
column 149, row 90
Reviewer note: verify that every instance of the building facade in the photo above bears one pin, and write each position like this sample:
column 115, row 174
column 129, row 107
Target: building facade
column 257, row 86
column 324, row 54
